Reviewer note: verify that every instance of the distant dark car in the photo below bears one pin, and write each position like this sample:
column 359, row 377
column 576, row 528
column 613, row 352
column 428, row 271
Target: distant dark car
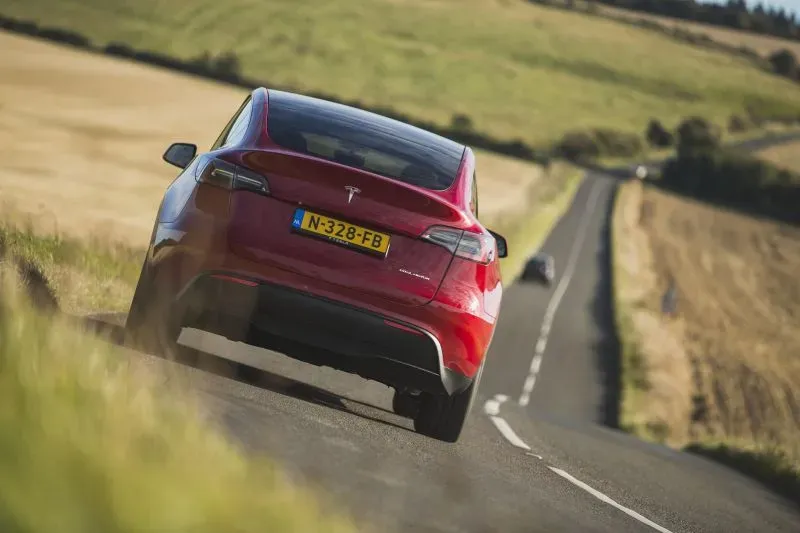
column 540, row 268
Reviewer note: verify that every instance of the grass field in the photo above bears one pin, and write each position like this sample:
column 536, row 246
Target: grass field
column 518, row 70
column 724, row 371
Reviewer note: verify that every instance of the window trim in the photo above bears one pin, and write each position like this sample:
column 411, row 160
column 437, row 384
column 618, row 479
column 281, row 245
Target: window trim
column 474, row 194
column 223, row 136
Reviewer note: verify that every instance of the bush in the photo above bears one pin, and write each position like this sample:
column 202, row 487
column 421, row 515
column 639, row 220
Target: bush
column 618, row 143
column 698, row 134
column 65, row 36
column 461, row 122
column 784, row 63
column 578, row 146
column 119, row 50
column 25, row 27
column 586, row 145
column 659, row 136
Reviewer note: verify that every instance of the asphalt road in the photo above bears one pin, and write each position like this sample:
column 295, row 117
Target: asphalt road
column 537, row 454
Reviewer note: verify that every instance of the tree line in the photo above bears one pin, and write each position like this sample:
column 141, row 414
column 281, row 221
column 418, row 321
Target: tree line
column 734, row 14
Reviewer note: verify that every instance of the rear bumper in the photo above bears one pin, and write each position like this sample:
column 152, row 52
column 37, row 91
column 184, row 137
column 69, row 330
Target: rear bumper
column 318, row 330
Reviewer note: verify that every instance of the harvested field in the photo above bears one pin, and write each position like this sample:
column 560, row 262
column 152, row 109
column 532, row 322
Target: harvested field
column 83, row 136
column 785, row 156
column 736, row 327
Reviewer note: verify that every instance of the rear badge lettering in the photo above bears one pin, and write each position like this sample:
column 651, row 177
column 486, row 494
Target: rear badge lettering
column 420, row 276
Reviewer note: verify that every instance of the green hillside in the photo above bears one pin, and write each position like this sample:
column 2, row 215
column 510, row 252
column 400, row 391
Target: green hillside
column 516, row 69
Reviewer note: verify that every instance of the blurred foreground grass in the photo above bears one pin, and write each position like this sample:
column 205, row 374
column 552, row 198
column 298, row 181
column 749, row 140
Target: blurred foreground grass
column 86, row 276
column 88, row 443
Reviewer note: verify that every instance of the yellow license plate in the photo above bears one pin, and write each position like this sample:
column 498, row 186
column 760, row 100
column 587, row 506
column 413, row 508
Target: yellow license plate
column 341, row 232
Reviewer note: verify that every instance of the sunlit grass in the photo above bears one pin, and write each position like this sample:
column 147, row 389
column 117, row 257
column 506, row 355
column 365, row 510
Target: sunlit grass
column 516, row 69
column 91, row 441
column 86, row 275
column 659, row 393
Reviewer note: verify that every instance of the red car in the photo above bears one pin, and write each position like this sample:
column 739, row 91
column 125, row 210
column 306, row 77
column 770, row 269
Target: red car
column 336, row 236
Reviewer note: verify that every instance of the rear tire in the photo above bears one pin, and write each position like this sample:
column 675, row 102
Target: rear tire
column 405, row 404
column 151, row 324
column 249, row 374
column 443, row 417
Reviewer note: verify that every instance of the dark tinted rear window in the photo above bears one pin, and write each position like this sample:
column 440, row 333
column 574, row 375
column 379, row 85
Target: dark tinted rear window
column 363, row 140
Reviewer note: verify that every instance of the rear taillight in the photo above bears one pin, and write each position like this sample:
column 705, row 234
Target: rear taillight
column 229, row 176
column 478, row 247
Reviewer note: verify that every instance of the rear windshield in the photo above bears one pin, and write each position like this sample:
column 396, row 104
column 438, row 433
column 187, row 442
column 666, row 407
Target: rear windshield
column 364, row 140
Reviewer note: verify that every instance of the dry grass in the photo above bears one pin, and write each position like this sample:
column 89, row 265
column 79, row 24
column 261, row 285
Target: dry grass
column 84, row 276
column 95, row 442
column 736, row 331
column 657, row 374
column 763, row 44
column 785, row 156
column 83, row 137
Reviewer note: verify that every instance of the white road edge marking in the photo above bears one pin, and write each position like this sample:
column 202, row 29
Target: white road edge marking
column 555, row 301
column 603, row 498
column 492, row 409
column 508, row 433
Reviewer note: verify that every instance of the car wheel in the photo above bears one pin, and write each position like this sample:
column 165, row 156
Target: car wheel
column 151, row 326
column 405, row 404
column 248, row 374
column 443, row 417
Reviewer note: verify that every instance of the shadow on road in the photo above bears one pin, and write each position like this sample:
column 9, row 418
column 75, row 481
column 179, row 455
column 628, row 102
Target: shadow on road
column 110, row 327
column 607, row 348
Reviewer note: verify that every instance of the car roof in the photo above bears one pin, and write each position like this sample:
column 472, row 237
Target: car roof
column 441, row 155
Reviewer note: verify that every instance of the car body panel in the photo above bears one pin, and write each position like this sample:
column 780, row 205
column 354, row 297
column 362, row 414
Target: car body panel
column 202, row 228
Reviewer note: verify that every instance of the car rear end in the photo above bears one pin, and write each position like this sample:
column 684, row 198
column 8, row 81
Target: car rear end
column 340, row 238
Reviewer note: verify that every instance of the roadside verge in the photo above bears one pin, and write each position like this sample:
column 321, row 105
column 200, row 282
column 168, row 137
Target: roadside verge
column 664, row 382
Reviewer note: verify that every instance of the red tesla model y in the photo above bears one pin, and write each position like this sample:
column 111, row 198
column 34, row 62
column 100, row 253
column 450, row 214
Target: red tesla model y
column 335, row 236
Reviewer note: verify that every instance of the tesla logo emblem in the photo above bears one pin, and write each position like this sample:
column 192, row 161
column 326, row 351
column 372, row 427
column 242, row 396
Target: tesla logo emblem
column 351, row 191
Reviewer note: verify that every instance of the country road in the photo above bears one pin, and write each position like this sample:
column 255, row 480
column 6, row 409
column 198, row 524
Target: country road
column 537, row 454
